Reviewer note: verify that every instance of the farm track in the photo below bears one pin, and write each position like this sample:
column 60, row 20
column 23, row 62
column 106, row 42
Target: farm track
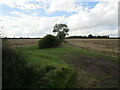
column 101, row 72
column 96, row 72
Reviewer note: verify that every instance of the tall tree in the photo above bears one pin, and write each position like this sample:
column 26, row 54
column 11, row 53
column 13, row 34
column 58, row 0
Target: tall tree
column 61, row 30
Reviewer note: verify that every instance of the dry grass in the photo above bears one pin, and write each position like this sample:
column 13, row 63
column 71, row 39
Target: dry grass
column 22, row 42
column 106, row 46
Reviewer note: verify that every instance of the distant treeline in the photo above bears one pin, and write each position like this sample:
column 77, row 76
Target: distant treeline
column 89, row 36
column 70, row 37
column 20, row 38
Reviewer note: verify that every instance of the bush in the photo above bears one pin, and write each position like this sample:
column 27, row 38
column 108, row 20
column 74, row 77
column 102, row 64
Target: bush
column 12, row 63
column 49, row 41
column 16, row 71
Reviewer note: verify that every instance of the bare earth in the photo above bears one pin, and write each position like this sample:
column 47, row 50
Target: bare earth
column 94, row 72
column 106, row 46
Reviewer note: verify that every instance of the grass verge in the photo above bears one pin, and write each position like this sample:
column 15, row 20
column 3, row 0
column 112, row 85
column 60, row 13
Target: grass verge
column 57, row 73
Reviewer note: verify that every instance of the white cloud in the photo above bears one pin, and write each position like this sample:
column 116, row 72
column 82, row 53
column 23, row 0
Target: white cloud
column 48, row 5
column 107, row 0
column 29, row 25
column 62, row 5
column 97, row 0
column 104, row 16
column 16, row 13
column 102, row 19
column 113, row 32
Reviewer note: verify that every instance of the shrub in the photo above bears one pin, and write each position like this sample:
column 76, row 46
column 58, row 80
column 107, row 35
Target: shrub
column 90, row 36
column 49, row 41
column 16, row 71
column 12, row 63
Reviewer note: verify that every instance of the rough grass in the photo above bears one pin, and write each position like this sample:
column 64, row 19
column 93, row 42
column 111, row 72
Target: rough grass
column 63, row 74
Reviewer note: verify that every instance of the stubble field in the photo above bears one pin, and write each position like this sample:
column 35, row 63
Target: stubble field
column 22, row 42
column 106, row 46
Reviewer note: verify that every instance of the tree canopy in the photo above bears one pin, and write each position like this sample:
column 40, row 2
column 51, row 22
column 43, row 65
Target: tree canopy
column 61, row 30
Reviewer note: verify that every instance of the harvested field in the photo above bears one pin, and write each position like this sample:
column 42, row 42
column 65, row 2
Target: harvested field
column 22, row 42
column 106, row 46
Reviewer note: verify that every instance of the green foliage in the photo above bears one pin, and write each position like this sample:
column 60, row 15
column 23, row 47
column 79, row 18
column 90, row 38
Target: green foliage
column 90, row 36
column 50, row 62
column 12, row 64
column 5, row 43
column 61, row 35
column 49, row 41
column 62, row 30
column 57, row 73
column 19, row 72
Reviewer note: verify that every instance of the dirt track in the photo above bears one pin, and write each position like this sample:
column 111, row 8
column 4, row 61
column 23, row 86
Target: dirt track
column 94, row 72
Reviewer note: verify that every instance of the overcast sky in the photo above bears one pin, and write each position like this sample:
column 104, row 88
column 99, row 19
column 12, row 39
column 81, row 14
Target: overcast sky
column 36, row 18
